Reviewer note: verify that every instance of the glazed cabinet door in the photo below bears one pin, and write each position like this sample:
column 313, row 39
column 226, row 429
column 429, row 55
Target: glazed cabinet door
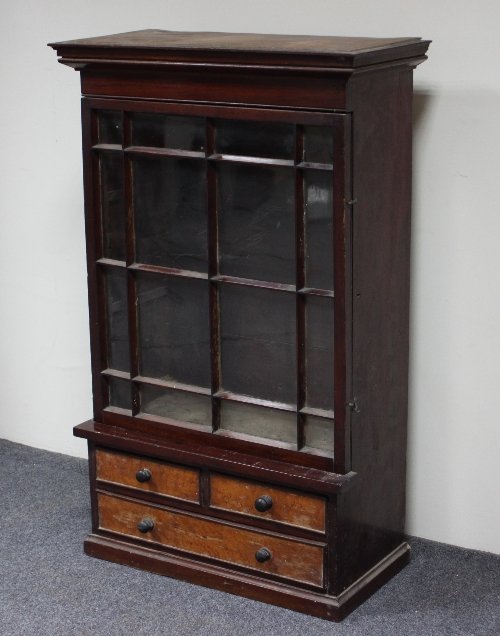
column 219, row 244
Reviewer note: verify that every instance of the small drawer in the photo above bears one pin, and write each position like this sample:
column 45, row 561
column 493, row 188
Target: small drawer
column 148, row 475
column 288, row 558
column 267, row 502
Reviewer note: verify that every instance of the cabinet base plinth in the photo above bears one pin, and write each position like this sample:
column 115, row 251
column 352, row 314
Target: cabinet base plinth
column 333, row 608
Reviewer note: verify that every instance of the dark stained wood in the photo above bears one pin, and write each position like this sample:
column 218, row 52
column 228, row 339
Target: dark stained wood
column 204, row 501
column 166, row 479
column 333, row 608
column 291, row 559
column 288, row 507
column 186, row 451
column 371, row 517
column 245, row 48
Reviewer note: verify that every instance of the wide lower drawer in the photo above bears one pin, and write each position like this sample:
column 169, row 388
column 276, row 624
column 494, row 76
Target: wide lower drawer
column 265, row 502
column 288, row 558
column 148, row 475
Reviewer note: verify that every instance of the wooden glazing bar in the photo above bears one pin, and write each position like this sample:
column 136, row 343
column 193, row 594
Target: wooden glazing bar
column 309, row 410
column 213, row 270
column 308, row 165
column 111, row 262
column 250, row 282
column 248, row 399
column 255, row 161
column 107, row 147
column 114, row 373
column 149, row 151
column 169, row 384
column 311, row 291
column 300, row 248
column 130, row 252
column 166, row 271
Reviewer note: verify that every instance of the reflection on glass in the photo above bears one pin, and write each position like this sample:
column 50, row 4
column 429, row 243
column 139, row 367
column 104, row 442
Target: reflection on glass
column 319, row 229
column 255, row 139
column 119, row 393
column 117, row 321
column 259, row 421
column 258, row 342
column 170, row 212
column 319, row 352
column 113, row 209
column 110, row 127
column 318, row 433
column 168, row 131
column 174, row 338
column 257, row 222
column 318, row 144
column 176, row 405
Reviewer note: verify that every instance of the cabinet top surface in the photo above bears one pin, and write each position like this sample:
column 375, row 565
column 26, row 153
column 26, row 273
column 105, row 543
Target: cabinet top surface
column 153, row 44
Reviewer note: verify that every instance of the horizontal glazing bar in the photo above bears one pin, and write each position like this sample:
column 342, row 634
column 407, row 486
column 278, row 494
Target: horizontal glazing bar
column 259, row 161
column 167, row 271
column 315, row 166
column 169, row 384
column 150, row 151
column 107, row 147
column 255, row 439
column 111, row 262
column 308, row 410
column 114, row 373
column 250, row 282
column 311, row 291
column 248, row 399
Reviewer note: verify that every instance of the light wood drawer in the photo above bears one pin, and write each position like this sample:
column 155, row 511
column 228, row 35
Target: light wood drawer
column 291, row 559
column 245, row 497
column 161, row 478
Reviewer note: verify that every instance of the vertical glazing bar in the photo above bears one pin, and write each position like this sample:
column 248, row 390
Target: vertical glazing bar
column 300, row 282
column 130, row 251
column 213, row 269
column 342, row 237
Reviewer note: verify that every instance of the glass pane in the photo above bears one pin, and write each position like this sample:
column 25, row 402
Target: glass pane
column 318, row 197
column 110, row 127
column 170, row 210
column 319, row 352
column 318, row 433
column 116, row 309
column 162, row 131
column 257, row 222
column 255, row 139
column 258, row 343
column 318, row 144
column 113, row 209
column 259, row 421
column 176, row 405
column 119, row 393
column 174, row 337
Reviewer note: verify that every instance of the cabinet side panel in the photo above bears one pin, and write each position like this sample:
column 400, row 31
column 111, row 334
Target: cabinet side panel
column 371, row 514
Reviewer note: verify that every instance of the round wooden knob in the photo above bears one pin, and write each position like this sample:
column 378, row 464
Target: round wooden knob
column 145, row 525
column 143, row 475
column 263, row 503
column 262, row 555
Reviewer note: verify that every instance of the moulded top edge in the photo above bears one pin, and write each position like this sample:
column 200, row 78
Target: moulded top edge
column 292, row 50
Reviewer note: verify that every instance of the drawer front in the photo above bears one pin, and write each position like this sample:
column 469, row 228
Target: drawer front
column 279, row 504
column 293, row 560
column 162, row 479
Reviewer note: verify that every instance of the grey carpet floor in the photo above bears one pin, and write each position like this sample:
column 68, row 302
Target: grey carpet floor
column 48, row 586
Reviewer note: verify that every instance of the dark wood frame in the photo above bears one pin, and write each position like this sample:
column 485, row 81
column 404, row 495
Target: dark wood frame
column 363, row 87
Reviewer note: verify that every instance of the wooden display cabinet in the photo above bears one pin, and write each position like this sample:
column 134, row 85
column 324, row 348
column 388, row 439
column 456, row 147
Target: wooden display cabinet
column 247, row 203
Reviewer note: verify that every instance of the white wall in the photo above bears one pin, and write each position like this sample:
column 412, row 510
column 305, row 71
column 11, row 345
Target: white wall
column 455, row 381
